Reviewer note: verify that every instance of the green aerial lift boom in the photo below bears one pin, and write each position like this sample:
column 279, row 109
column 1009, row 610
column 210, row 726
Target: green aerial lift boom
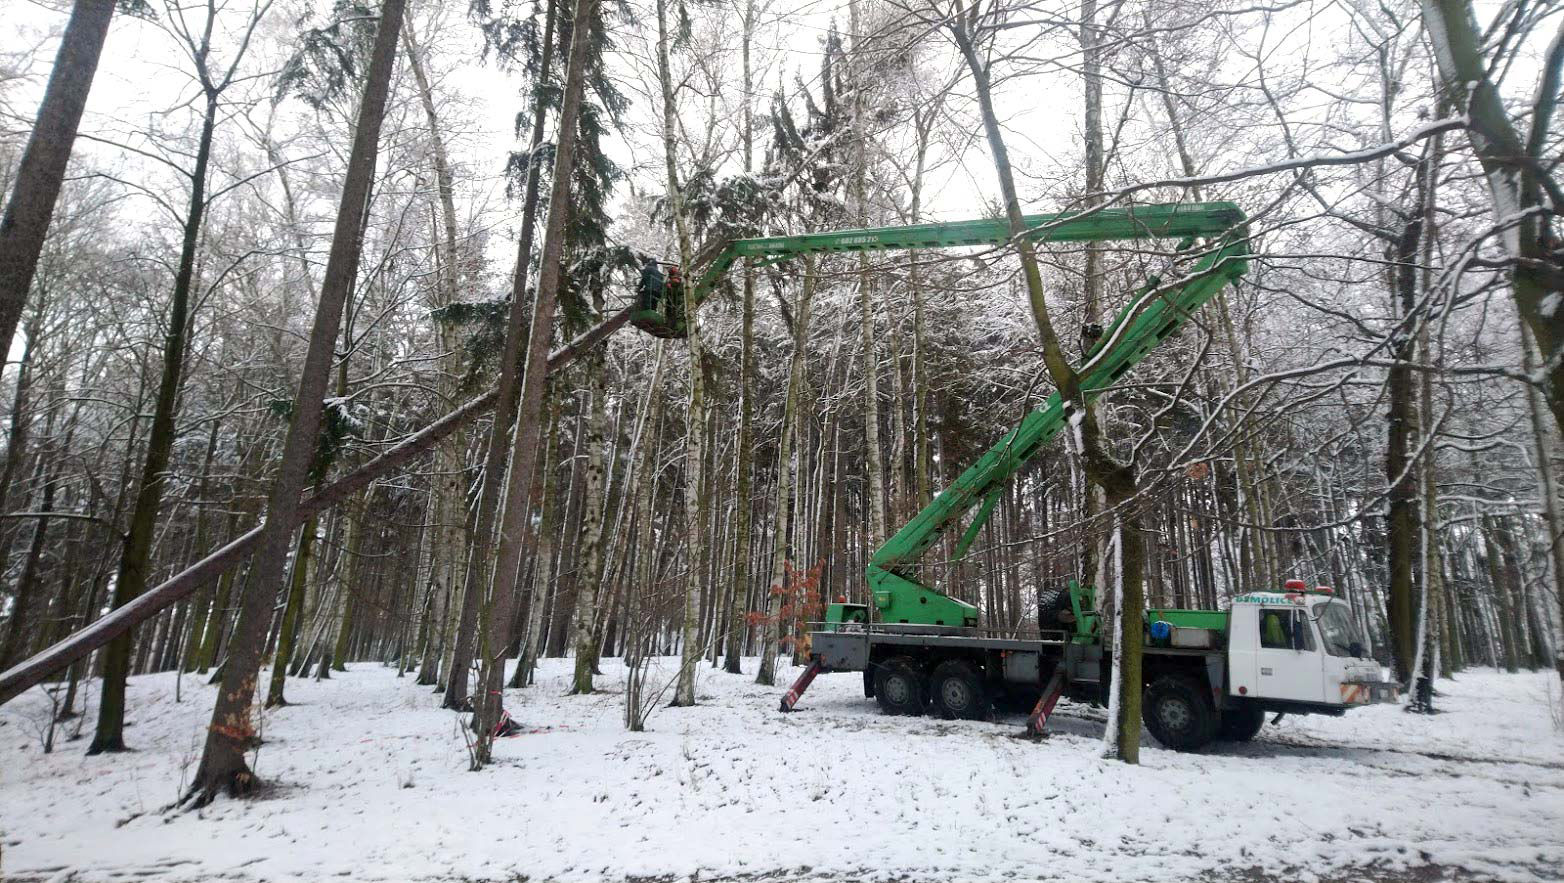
column 1150, row 317
column 1208, row 675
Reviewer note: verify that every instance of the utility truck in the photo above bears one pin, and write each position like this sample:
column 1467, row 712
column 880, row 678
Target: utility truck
column 1208, row 674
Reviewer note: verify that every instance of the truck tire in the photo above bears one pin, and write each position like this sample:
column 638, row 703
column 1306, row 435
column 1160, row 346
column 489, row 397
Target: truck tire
column 1240, row 724
column 1178, row 713
column 958, row 692
column 1051, row 607
column 898, row 686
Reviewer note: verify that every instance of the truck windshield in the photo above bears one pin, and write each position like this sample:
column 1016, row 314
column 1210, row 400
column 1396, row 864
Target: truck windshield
column 1337, row 630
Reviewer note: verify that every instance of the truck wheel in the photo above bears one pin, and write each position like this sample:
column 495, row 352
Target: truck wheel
column 1240, row 724
column 958, row 692
column 1178, row 713
column 898, row 686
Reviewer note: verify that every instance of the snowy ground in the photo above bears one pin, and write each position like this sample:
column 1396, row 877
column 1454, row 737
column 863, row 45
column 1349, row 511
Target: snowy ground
column 371, row 784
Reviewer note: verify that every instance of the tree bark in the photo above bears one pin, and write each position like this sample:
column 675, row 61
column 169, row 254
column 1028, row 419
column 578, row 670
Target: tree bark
column 770, row 625
column 496, row 618
column 1542, row 441
column 42, row 170
column 1403, row 533
column 291, row 615
column 874, row 465
column 744, row 455
column 589, row 565
column 1516, row 168
column 136, row 558
column 231, row 733
column 1116, row 479
column 481, row 549
column 695, row 422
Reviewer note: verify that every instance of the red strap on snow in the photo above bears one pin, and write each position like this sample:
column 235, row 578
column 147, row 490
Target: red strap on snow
column 1038, row 720
column 800, row 685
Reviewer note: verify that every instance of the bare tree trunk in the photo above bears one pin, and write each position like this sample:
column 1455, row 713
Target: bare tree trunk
column 42, row 170
column 203, row 599
column 543, row 559
column 231, row 733
column 481, row 549
column 292, row 614
column 1116, row 479
column 15, row 453
column 136, row 558
column 496, row 619
column 922, row 491
column 695, row 424
column 1496, row 551
column 589, row 566
column 770, row 627
column 355, row 513
column 874, row 458
column 448, row 538
column 1517, row 168
column 1542, row 440
column 744, row 456
column 1402, row 525
column 637, row 623
column 1091, row 83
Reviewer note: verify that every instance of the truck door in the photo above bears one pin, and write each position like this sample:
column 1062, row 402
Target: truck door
column 1287, row 661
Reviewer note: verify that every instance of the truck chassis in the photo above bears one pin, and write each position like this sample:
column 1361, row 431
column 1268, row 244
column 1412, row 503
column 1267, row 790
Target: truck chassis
column 964, row 673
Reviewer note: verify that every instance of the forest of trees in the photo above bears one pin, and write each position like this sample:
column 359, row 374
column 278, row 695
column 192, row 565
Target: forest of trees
column 299, row 257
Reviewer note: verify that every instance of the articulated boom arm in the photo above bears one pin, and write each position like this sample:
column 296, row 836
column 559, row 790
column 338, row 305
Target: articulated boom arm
column 1178, row 221
column 1138, row 329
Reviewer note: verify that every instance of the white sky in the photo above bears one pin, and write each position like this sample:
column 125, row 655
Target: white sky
column 141, row 77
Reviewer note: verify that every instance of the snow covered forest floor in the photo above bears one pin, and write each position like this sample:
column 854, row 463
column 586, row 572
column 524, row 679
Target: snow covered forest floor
column 734, row 790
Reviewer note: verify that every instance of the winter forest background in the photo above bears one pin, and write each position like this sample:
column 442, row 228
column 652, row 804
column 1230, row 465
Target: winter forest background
column 1373, row 407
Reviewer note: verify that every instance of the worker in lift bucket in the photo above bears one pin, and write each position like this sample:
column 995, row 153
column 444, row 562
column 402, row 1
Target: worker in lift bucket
column 651, row 287
column 674, row 312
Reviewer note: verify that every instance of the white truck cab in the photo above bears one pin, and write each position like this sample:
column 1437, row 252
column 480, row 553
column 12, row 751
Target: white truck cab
column 1298, row 649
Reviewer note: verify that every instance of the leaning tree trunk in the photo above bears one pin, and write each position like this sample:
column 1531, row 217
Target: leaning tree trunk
column 231, row 733
column 770, row 624
column 42, row 170
column 136, row 558
column 15, row 453
column 508, row 389
column 496, row 620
